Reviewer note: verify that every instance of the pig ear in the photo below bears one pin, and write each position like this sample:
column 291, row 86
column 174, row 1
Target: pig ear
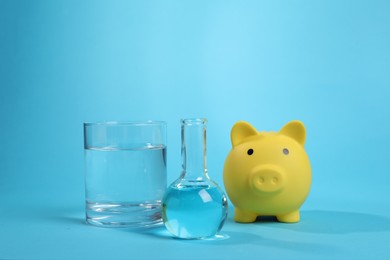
column 240, row 131
column 296, row 130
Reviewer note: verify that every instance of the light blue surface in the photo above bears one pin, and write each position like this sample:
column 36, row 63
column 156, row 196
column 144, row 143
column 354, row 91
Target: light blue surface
column 326, row 63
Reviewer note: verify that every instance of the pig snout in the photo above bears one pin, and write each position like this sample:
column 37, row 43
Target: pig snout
column 267, row 179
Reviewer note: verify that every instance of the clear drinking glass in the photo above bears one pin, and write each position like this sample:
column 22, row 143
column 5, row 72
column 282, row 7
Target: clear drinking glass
column 125, row 172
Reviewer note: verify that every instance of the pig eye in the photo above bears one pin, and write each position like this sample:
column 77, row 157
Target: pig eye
column 250, row 151
column 286, row 151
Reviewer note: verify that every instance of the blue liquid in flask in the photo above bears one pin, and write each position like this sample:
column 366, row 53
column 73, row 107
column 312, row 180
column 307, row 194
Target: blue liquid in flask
column 194, row 207
column 195, row 211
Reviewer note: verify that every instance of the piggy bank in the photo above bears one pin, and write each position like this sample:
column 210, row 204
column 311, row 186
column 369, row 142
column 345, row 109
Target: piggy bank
column 267, row 173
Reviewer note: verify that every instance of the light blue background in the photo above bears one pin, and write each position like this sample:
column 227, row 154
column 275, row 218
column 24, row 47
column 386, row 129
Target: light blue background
column 326, row 63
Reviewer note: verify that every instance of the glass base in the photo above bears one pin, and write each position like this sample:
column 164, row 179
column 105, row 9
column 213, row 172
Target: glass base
column 123, row 214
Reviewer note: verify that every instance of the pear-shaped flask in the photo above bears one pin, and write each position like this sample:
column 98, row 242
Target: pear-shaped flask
column 194, row 206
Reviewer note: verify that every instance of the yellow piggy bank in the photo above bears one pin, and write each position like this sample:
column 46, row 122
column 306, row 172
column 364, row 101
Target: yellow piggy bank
column 267, row 173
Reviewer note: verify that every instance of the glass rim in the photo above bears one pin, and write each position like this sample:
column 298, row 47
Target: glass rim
column 125, row 123
column 194, row 121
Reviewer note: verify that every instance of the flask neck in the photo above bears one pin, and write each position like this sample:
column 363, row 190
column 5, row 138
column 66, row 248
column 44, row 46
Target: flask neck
column 193, row 149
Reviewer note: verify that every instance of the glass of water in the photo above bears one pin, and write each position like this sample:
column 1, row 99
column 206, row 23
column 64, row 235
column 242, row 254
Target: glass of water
column 125, row 172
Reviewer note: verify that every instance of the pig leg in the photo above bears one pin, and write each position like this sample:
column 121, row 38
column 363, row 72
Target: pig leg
column 291, row 217
column 244, row 216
